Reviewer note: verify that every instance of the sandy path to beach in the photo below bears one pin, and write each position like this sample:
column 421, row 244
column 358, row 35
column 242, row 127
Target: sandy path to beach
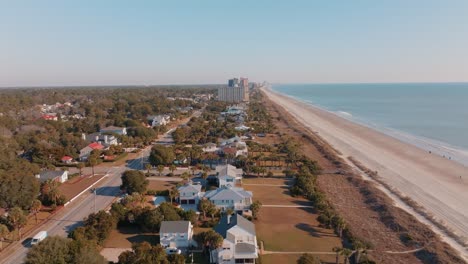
column 430, row 180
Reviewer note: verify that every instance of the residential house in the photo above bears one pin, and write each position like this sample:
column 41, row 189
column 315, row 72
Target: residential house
column 230, row 141
column 176, row 234
column 210, row 147
column 189, row 196
column 67, row 159
column 228, row 175
column 103, row 139
column 60, row 176
column 114, row 130
column 240, row 241
column 230, row 197
column 242, row 128
column 159, row 120
column 86, row 151
column 50, row 117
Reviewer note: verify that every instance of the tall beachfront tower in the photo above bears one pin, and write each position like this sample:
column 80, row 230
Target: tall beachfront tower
column 236, row 91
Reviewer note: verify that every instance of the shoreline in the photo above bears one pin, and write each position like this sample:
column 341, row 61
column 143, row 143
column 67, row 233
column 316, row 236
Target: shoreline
column 436, row 147
column 428, row 179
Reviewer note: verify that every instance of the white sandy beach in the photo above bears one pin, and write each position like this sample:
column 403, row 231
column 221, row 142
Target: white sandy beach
column 432, row 181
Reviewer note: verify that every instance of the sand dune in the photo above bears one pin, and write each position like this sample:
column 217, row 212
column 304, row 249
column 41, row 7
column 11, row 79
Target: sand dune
column 432, row 181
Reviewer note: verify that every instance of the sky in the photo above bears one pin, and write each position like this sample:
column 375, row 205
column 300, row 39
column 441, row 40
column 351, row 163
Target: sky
column 112, row 42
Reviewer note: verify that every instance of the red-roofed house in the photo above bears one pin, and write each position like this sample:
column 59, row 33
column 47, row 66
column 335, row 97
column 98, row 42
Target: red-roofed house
column 86, row 151
column 67, row 159
column 49, row 117
column 96, row 145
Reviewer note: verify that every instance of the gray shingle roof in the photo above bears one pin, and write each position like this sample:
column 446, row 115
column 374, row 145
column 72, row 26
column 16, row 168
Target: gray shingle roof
column 245, row 248
column 236, row 220
column 50, row 175
column 174, row 226
column 228, row 194
column 228, row 170
column 190, row 188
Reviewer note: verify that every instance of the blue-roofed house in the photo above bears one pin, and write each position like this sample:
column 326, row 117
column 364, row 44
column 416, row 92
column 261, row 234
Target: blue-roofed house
column 240, row 241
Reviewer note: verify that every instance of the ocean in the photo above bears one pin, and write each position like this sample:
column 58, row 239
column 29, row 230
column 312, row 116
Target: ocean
column 433, row 116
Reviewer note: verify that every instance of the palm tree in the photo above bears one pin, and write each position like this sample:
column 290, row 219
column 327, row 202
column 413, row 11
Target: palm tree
column 80, row 167
column 173, row 193
column 160, row 169
column 92, row 161
column 359, row 248
column 3, row 234
column 338, row 251
column 148, row 168
column 346, row 253
column 340, row 225
column 35, row 207
column 229, row 211
column 172, row 168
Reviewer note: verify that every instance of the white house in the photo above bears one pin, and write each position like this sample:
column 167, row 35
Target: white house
column 228, row 175
column 60, row 176
column 242, row 128
column 210, row 147
column 240, row 241
column 189, row 196
column 235, row 198
column 176, row 234
column 159, row 120
column 103, row 139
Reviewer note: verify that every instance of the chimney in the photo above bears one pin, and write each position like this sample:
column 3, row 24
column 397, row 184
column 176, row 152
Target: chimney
column 229, row 219
column 83, row 136
column 105, row 139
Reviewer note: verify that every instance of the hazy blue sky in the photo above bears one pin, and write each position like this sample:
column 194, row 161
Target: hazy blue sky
column 159, row 42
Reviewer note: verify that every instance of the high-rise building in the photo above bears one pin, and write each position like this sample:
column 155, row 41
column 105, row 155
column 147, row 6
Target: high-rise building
column 234, row 82
column 235, row 92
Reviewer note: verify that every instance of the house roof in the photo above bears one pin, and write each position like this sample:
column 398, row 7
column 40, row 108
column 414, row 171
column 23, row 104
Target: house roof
column 228, row 170
column 190, row 188
column 245, row 248
column 235, row 220
column 65, row 158
column 174, row 226
column 228, row 194
column 96, row 145
column 229, row 150
column 50, row 175
column 86, row 150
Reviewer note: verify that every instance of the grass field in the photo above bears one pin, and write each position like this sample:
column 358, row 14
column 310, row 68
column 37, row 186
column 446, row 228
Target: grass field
column 123, row 237
column 288, row 229
column 161, row 185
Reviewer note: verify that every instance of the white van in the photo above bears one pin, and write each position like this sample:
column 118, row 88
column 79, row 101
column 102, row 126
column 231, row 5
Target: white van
column 38, row 237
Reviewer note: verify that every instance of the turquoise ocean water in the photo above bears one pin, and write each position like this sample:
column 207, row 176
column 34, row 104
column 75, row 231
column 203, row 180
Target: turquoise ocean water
column 437, row 112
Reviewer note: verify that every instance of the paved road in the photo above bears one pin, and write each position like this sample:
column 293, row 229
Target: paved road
column 107, row 190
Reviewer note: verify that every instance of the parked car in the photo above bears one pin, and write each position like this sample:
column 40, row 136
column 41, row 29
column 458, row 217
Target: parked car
column 39, row 237
column 171, row 251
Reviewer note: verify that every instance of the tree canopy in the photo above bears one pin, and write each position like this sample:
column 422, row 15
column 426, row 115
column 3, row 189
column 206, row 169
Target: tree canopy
column 60, row 250
column 134, row 181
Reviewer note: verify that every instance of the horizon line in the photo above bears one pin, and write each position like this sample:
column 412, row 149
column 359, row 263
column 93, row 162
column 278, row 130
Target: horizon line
column 211, row 84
